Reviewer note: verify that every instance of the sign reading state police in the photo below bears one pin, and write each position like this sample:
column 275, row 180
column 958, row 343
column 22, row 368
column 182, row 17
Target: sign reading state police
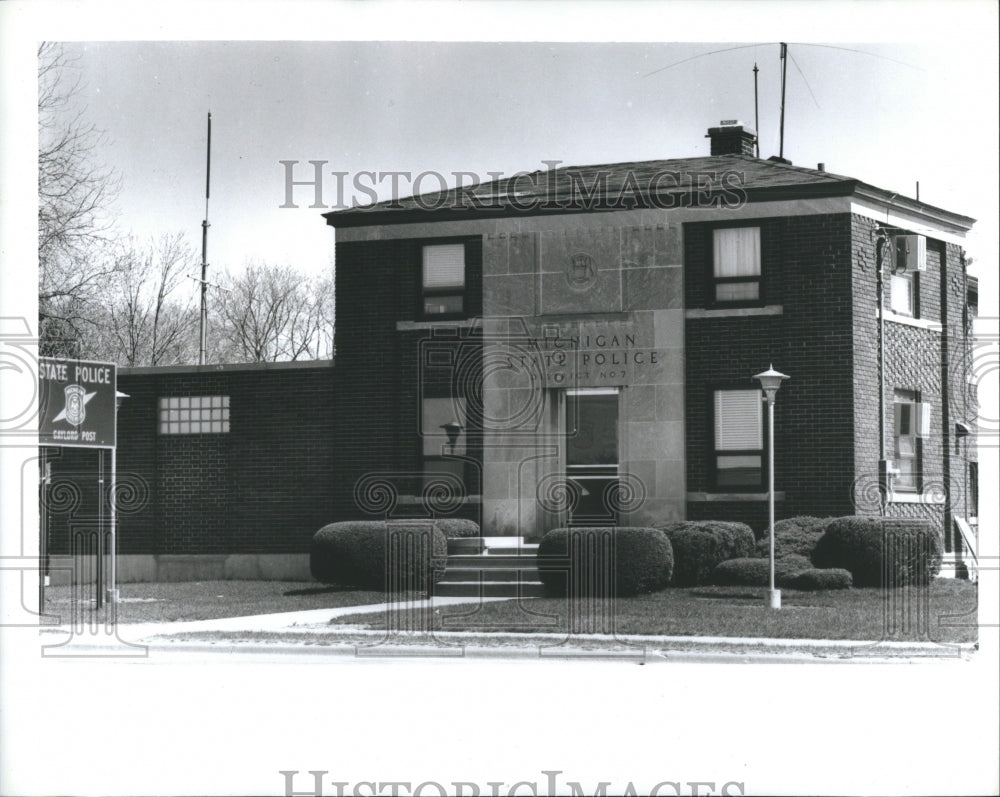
column 76, row 403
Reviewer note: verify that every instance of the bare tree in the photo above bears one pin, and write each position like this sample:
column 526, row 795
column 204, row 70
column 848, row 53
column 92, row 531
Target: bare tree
column 74, row 195
column 141, row 321
column 272, row 313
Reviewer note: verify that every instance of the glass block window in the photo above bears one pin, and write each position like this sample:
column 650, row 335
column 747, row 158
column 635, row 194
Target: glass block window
column 194, row 415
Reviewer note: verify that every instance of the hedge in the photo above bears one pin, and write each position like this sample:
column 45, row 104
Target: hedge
column 881, row 552
column 756, row 572
column 816, row 579
column 797, row 535
column 353, row 553
column 701, row 545
column 579, row 560
column 454, row 528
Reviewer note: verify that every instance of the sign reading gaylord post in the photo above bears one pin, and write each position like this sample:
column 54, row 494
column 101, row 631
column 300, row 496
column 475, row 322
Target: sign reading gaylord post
column 76, row 403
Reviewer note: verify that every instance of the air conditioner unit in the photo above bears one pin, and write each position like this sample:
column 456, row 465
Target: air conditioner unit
column 911, row 253
column 912, row 418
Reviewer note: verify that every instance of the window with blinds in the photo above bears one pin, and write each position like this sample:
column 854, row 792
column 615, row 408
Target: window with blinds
column 736, row 265
column 738, row 420
column 443, row 275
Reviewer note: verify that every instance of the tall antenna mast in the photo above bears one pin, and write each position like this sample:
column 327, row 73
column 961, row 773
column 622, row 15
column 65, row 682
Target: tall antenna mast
column 784, row 72
column 756, row 112
column 204, row 248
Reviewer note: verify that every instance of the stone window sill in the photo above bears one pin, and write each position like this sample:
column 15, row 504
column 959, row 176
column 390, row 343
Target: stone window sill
column 416, row 500
column 409, row 326
column 919, row 323
column 735, row 312
column 917, row 498
column 779, row 495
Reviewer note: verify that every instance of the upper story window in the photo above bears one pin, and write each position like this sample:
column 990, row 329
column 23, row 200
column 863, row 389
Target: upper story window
column 736, row 265
column 194, row 415
column 903, row 293
column 443, row 280
column 738, row 450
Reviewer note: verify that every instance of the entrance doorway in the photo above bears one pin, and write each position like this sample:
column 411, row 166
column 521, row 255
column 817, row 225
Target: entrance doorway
column 592, row 455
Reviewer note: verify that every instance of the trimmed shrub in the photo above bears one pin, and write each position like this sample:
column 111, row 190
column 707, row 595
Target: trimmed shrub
column 816, row 579
column 700, row 545
column 643, row 560
column 353, row 553
column 881, row 552
column 454, row 528
column 797, row 535
column 756, row 572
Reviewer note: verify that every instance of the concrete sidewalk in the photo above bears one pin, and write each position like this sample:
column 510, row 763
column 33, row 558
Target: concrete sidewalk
column 313, row 629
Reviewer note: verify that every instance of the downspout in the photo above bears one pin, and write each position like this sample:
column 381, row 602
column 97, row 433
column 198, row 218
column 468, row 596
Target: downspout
column 880, row 244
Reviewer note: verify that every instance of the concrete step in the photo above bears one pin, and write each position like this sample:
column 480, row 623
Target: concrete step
column 490, row 574
column 490, row 589
column 466, row 545
column 525, row 549
column 500, row 561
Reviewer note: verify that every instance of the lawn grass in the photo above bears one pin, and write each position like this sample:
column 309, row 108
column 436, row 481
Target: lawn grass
column 943, row 612
column 206, row 600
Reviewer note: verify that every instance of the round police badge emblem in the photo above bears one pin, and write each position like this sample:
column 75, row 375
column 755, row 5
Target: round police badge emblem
column 581, row 273
column 76, row 404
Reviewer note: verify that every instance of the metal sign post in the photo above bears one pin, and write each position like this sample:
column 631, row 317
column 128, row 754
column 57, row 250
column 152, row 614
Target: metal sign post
column 77, row 409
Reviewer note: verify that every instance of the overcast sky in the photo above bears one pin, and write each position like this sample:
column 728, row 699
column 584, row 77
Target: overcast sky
column 887, row 114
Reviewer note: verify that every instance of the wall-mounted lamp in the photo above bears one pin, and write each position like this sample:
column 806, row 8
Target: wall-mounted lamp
column 453, row 429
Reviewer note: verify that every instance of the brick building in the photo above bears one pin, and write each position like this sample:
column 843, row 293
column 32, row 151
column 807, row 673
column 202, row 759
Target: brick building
column 577, row 346
column 591, row 334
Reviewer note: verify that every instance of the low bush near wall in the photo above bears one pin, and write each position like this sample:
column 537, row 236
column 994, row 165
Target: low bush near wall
column 582, row 561
column 797, row 535
column 756, row 572
column 354, row 553
column 881, row 552
column 815, row 579
column 453, row 528
column 701, row 545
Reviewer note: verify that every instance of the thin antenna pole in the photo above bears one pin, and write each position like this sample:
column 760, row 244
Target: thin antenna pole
column 784, row 72
column 204, row 247
column 756, row 112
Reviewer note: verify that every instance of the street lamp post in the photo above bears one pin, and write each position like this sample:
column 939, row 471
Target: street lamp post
column 770, row 380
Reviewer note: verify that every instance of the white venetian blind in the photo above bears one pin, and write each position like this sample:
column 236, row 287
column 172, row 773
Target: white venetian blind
column 738, row 420
column 737, row 252
column 444, row 266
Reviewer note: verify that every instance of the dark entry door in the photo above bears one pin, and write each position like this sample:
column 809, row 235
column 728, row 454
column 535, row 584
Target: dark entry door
column 592, row 455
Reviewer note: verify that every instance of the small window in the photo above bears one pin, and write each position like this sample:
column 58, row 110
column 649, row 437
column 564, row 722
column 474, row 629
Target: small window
column 194, row 415
column 903, row 294
column 443, row 274
column 736, row 265
column 738, row 450
column 906, row 440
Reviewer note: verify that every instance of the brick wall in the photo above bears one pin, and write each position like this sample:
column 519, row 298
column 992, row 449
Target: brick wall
column 807, row 268
column 930, row 361
column 380, row 373
column 264, row 487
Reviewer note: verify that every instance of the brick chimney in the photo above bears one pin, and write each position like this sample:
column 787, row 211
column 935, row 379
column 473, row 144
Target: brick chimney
column 732, row 137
